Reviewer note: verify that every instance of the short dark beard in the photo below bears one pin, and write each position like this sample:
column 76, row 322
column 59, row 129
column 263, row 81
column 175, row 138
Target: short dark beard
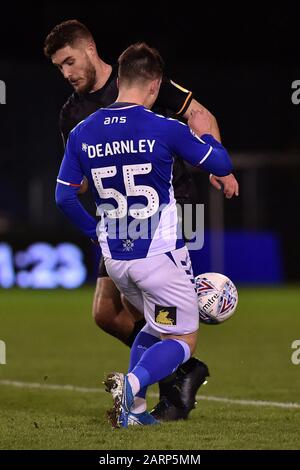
column 90, row 76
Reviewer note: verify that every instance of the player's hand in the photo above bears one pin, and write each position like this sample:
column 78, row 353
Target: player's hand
column 229, row 184
column 200, row 121
column 84, row 186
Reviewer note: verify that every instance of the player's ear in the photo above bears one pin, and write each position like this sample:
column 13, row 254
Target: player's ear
column 158, row 84
column 91, row 49
column 155, row 85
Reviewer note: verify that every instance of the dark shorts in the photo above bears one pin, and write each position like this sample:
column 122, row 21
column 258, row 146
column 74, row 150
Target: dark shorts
column 102, row 269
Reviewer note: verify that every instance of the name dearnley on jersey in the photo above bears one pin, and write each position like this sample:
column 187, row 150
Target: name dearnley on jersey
column 135, row 178
column 119, row 147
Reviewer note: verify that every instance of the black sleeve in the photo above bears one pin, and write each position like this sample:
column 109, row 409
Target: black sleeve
column 66, row 124
column 62, row 128
column 174, row 97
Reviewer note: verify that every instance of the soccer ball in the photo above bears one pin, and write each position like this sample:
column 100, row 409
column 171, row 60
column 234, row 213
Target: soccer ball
column 217, row 297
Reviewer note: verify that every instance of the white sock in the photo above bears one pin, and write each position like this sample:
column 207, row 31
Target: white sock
column 139, row 405
column 134, row 383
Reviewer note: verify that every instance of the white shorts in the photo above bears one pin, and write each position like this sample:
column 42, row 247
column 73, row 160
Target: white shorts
column 161, row 287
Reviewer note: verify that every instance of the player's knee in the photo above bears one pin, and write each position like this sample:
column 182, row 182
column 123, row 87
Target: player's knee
column 98, row 315
column 192, row 346
column 191, row 342
column 103, row 312
column 97, row 310
column 106, row 304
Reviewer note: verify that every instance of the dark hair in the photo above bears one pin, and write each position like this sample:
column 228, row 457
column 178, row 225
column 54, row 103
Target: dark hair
column 140, row 62
column 65, row 34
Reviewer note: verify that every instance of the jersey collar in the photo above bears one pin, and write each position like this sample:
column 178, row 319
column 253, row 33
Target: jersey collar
column 122, row 105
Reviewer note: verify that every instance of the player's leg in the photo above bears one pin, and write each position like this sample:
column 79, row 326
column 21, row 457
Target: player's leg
column 110, row 313
column 177, row 393
column 117, row 316
column 157, row 361
column 134, row 312
column 170, row 304
column 158, row 358
column 115, row 381
column 164, row 284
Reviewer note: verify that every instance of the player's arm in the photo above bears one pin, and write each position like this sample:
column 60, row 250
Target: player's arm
column 201, row 122
column 195, row 106
column 67, row 188
column 181, row 102
column 214, row 131
column 197, row 146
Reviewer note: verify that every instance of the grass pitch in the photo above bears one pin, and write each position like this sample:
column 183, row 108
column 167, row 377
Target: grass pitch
column 51, row 339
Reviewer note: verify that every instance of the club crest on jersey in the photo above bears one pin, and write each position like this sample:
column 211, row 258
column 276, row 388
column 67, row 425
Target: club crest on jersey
column 128, row 245
column 166, row 316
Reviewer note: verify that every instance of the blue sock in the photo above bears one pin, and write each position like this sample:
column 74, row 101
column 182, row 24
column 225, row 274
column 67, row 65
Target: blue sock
column 160, row 360
column 142, row 342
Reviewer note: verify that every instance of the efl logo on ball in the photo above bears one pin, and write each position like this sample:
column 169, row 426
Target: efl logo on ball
column 217, row 297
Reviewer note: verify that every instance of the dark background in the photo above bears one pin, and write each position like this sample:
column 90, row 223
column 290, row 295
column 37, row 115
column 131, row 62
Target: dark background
column 239, row 61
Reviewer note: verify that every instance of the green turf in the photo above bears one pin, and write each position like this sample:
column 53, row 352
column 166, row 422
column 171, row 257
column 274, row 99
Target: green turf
column 51, row 339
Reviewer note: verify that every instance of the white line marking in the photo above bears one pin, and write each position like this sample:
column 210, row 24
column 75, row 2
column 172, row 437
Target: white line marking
column 234, row 401
column 75, row 388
